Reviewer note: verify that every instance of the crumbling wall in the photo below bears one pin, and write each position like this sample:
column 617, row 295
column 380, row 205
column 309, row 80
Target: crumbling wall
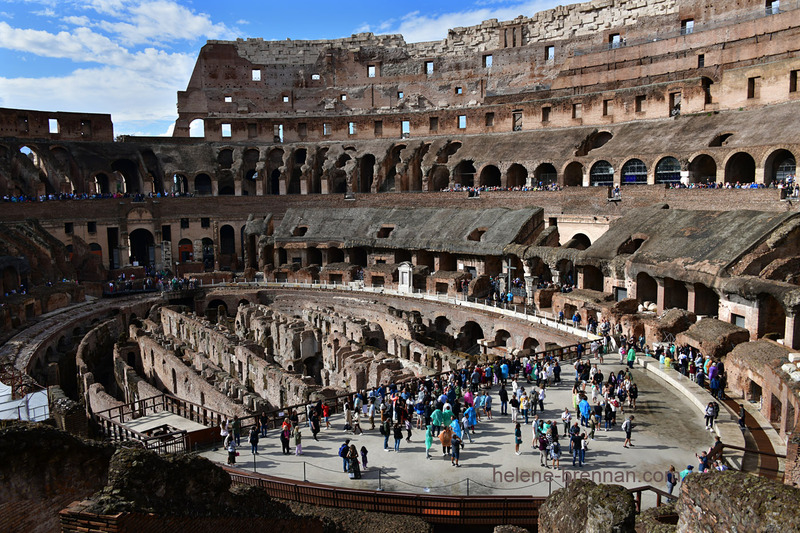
column 736, row 502
column 586, row 507
column 42, row 470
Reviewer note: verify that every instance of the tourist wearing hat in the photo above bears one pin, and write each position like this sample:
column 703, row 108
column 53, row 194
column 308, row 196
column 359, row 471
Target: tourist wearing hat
column 689, row 469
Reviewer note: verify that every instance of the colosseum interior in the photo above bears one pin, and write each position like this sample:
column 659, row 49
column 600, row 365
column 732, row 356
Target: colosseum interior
column 334, row 215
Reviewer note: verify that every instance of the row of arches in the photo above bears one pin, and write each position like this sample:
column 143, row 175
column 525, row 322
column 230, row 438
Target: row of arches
column 739, row 168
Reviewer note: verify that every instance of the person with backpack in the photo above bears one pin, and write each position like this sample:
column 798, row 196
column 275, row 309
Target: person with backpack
column 456, row 445
column 627, row 427
column 253, row 439
column 555, row 453
column 386, row 431
column 344, row 451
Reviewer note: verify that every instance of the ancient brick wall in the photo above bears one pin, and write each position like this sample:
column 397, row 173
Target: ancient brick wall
column 735, row 501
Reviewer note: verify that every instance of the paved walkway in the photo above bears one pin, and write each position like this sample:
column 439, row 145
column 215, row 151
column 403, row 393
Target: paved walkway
column 669, row 431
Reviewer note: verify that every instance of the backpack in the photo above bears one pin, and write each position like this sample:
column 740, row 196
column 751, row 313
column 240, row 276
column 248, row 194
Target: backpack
column 626, row 426
column 343, row 449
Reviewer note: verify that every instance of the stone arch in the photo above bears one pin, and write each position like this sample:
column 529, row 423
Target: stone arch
column 130, row 172
column 502, row 338
column 468, row 335
column 102, row 185
column 601, row 174
column 572, row 174
column 440, row 178
column 516, row 176
column 702, row 169
column 197, row 128
column 202, row 184
column 366, row 173
column 579, row 241
column 490, row 176
column 185, row 251
column 530, row 345
column 227, row 240
column 779, row 165
column 335, row 255
column 225, row 158
column 142, row 247
column 706, row 300
column 646, row 288
column 441, row 324
column 545, row 175
column 592, row 278
column 634, row 172
column 668, row 170
column 593, row 141
column 771, row 317
column 740, row 167
column 464, row 173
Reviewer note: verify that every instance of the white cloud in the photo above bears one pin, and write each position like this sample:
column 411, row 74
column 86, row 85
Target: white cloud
column 163, row 21
column 416, row 27
column 77, row 21
column 47, row 12
column 110, row 90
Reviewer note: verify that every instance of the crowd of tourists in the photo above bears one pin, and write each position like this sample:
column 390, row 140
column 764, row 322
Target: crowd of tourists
column 449, row 409
column 136, row 197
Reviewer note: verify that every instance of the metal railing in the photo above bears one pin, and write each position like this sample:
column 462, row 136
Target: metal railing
column 434, row 509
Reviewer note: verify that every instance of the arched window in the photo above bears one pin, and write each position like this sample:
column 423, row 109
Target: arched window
column 668, row 170
column 602, row 174
column 634, row 172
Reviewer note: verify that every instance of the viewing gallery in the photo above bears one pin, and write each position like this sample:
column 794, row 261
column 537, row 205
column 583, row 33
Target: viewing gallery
column 339, row 217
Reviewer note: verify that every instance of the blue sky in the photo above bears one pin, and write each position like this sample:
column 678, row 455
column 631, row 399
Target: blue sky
column 130, row 57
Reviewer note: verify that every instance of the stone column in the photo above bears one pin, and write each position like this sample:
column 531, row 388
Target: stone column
column 691, row 298
column 792, row 331
column 660, row 293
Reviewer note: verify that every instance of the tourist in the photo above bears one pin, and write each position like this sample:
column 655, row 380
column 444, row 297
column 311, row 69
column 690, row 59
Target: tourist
column 582, row 453
column 326, row 415
column 436, row 420
column 446, row 437
column 631, row 356
column 386, row 431
column 224, row 430
column 566, row 417
column 514, row 402
column 503, row 400
column 709, row 415
column 672, row 480
column 627, row 427
column 555, row 453
column 688, row 470
column 364, row 454
column 575, row 444
column 286, row 432
column 742, row 415
column 428, row 441
column 298, row 438
column 371, row 413
column 541, row 399
column 456, row 445
column 517, row 438
column 398, row 436
column 543, row 450
column 523, row 406
column 357, row 423
column 314, row 424
column 253, row 439
column 344, row 451
column 264, row 420
column 230, row 445
column 353, row 467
